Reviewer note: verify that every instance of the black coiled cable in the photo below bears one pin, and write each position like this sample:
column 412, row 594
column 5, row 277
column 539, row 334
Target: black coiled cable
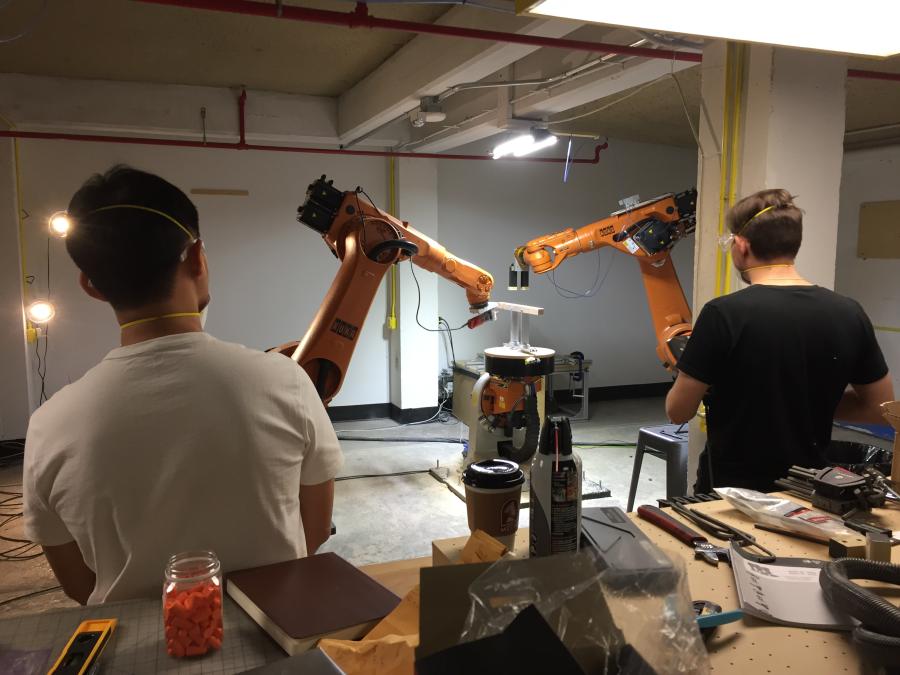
column 878, row 635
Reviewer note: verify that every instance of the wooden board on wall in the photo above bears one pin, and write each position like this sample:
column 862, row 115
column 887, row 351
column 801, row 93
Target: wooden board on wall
column 879, row 230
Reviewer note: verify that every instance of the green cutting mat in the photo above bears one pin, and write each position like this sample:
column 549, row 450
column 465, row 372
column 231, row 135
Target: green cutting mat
column 137, row 646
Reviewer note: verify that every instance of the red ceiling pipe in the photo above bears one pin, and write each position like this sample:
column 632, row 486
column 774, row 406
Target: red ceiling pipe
column 139, row 140
column 873, row 75
column 361, row 18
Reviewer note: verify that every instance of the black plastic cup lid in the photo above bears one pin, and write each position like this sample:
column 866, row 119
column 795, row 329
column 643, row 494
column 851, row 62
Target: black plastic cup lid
column 493, row 474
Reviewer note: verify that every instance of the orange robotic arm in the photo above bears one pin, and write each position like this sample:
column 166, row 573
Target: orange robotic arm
column 646, row 231
column 367, row 242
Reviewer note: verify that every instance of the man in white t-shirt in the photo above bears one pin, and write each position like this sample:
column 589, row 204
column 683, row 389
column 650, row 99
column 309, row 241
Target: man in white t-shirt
column 176, row 441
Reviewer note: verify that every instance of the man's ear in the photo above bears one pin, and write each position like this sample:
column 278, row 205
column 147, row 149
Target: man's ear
column 196, row 259
column 742, row 245
column 88, row 288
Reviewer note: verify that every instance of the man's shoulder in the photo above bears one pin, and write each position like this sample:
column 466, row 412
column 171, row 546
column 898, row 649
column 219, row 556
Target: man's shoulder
column 241, row 356
column 244, row 353
column 68, row 398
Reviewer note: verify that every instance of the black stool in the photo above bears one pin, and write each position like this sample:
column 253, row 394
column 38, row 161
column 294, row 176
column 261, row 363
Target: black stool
column 668, row 442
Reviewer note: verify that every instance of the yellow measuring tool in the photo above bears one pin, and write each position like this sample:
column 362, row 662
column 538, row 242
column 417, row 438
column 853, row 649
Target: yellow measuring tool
column 82, row 652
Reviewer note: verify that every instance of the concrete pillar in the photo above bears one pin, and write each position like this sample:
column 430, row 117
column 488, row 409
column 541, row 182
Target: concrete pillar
column 14, row 361
column 791, row 136
column 794, row 138
column 414, row 351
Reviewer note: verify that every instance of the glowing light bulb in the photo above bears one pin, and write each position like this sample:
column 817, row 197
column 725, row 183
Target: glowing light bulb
column 40, row 311
column 60, row 223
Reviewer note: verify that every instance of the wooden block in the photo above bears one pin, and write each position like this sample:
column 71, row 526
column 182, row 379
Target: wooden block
column 878, row 547
column 849, row 546
column 448, row 551
column 482, row 547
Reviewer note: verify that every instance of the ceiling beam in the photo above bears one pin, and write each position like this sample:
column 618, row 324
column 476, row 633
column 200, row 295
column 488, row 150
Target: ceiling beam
column 593, row 88
column 168, row 111
column 471, row 123
column 428, row 65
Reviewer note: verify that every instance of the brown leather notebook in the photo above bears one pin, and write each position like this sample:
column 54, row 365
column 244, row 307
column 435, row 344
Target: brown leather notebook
column 298, row 602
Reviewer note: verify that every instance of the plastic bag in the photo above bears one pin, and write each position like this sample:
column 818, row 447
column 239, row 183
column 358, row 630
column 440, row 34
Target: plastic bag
column 784, row 513
column 856, row 457
column 594, row 620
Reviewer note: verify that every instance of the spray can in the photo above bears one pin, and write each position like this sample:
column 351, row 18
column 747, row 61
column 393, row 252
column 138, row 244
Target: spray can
column 555, row 513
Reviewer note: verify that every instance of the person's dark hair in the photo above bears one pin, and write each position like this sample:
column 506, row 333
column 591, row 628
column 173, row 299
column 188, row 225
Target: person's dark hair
column 130, row 255
column 774, row 233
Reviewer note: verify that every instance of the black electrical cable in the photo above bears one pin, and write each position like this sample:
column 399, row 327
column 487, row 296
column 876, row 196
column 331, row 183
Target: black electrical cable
column 419, row 305
column 412, row 269
column 30, row 595
column 400, row 439
column 383, row 475
column 450, row 337
column 595, row 287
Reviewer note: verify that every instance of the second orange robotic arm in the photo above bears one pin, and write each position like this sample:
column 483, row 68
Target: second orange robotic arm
column 646, row 231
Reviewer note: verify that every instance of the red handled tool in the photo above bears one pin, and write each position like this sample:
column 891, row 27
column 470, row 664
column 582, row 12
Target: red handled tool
column 702, row 548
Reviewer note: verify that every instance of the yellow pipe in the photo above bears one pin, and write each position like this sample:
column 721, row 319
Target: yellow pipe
column 723, row 162
column 735, row 147
column 392, row 209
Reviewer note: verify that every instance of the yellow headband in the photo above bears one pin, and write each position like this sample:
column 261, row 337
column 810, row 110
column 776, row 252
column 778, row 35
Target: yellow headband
column 768, row 208
column 190, row 234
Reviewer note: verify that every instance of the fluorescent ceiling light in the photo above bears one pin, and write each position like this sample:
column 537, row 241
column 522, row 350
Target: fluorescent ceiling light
column 866, row 27
column 545, row 142
column 512, row 146
column 524, row 144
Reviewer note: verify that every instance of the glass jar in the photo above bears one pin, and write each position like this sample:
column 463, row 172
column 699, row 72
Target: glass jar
column 192, row 603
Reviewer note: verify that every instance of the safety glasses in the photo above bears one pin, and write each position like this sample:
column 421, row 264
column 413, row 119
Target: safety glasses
column 725, row 241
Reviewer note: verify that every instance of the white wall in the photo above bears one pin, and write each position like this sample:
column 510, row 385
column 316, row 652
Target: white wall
column 269, row 273
column 486, row 209
column 869, row 176
column 414, row 353
column 13, row 363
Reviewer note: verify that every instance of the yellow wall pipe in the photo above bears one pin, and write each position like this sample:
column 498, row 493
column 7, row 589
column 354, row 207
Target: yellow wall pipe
column 392, row 209
column 737, row 112
column 723, row 162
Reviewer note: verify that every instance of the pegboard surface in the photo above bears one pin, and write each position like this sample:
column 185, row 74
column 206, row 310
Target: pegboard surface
column 752, row 645
column 137, row 646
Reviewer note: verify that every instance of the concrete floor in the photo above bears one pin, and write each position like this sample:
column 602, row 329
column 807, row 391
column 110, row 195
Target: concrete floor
column 388, row 518
column 381, row 519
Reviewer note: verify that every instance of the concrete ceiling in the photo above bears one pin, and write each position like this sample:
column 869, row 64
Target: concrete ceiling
column 133, row 41
column 377, row 75
column 655, row 114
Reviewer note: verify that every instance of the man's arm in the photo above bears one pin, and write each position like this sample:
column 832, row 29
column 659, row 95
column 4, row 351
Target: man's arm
column 862, row 402
column 316, row 503
column 684, row 398
column 76, row 578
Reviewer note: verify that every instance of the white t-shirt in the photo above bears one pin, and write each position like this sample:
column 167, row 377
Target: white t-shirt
column 179, row 443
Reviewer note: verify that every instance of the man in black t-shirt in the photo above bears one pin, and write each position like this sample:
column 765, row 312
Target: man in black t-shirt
column 772, row 362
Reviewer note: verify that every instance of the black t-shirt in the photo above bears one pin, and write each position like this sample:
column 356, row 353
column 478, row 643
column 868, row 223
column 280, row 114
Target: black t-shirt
column 777, row 359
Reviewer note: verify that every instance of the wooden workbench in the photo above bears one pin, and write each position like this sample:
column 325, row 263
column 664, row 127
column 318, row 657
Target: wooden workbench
column 751, row 645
